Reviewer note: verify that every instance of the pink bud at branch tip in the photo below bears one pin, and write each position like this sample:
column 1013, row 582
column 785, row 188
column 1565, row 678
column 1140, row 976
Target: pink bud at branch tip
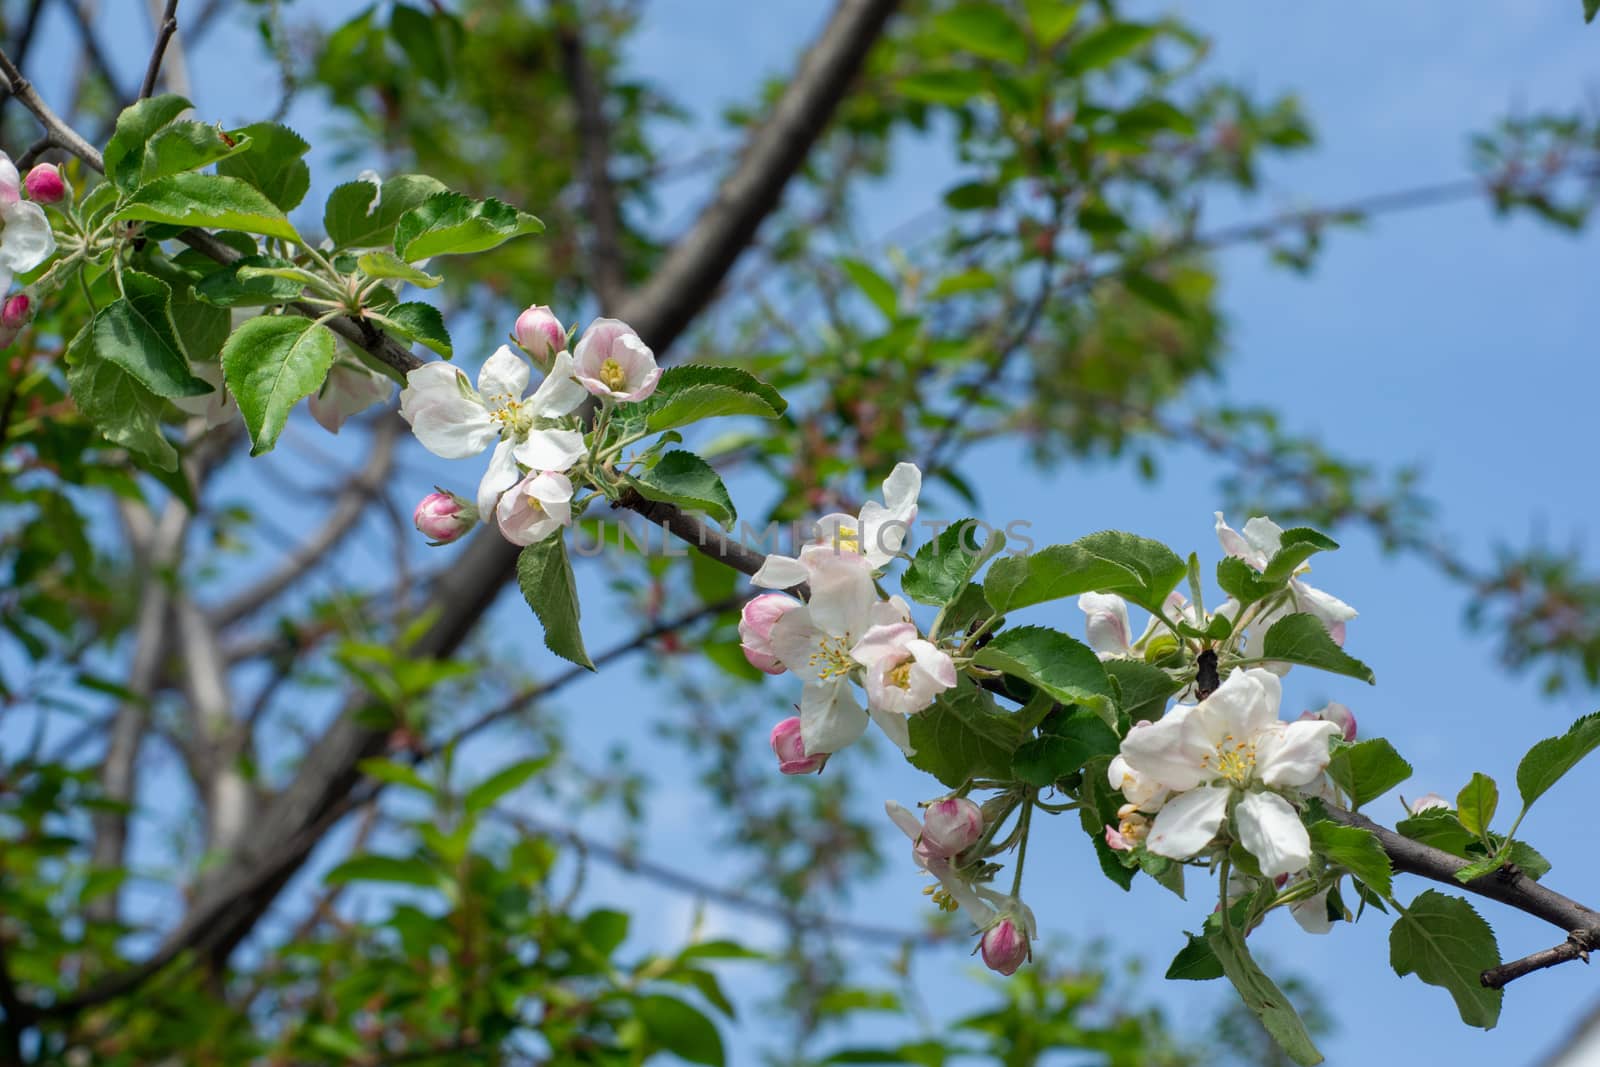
column 540, row 334
column 1339, row 715
column 1004, row 947
column 444, row 517
column 17, row 312
column 790, row 749
column 951, row 826
column 755, row 629
column 45, row 184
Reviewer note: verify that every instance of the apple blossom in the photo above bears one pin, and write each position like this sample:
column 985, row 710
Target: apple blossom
column 15, row 313
column 957, row 891
column 1339, row 715
column 614, row 364
column 1132, row 827
column 444, row 517
column 349, row 388
column 1106, row 625
column 44, row 184
column 1312, row 913
column 1004, row 947
column 1427, row 802
column 791, row 750
column 951, row 826
column 540, row 334
column 454, row 421
column 534, row 508
column 1142, row 791
column 904, row 673
column 1231, row 751
column 815, row 641
column 26, row 239
column 1257, row 545
column 876, row 534
column 755, row 630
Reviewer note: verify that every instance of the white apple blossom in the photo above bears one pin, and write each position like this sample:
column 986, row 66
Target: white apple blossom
column 534, row 508
column 454, row 421
column 1231, row 751
column 26, row 239
column 904, row 672
column 614, row 364
column 1257, row 545
column 1106, row 625
column 816, row 642
column 349, row 389
column 876, row 534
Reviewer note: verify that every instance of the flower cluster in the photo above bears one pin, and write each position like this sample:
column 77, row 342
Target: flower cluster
column 537, row 439
column 846, row 635
column 26, row 239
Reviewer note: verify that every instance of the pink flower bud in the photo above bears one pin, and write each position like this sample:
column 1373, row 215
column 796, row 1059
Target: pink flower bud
column 951, row 826
column 1426, row 802
column 1004, row 947
column 444, row 517
column 540, row 334
column 1338, row 714
column 755, row 629
column 1116, row 841
column 17, row 312
column 791, row 750
column 45, row 184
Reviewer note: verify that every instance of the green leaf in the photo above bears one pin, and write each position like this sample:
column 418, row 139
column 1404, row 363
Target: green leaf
column 1065, row 668
column 416, row 321
column 1105, row 45
column 604, row 930
column 1366, row 770
column 374, row 868
column 1357, row 851
column 1590, row 9
column 424, row 42
column 202, row 327
column 451, row 224
column 209, row 200
column 943, row 566
column 187, row 145
column 124, row 154
column 1475, row 805
column 1529, row 860
column 1297, row 546
column 1301, row 638
column 1553, row 757
column 273, row 164
column 693, row 392
column 943, row 87
column 137, row 334
column 873, row 285
column 1065, row 744
column 1195, row 962
column 1051, row 19
column 1259, row 993
column 544, row 574
column 984, row 30
column 1159, row 294
column 1444, row 942
column 226, row 289
column 961, row 736
column 680, row 1029
column 507, row 780
column 685, row 479
column 270, row 364
column 351, row 219
column 1242, row 582
column 1440, row 828
column 1136, row 568
column 393, row 773
column 125, row 412
column 1143, row 689
column 388, row 265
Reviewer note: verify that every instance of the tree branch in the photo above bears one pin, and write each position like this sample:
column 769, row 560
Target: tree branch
column 166, row 26
column 594, row 140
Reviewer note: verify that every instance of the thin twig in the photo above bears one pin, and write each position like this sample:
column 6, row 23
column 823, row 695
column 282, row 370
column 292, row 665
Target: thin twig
column 594, row 140
column 1577, row 946
column 164, row 32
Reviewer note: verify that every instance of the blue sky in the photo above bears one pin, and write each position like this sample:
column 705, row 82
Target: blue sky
column 1443, row 337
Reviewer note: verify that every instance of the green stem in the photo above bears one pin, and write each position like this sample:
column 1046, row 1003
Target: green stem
column 1022, row 849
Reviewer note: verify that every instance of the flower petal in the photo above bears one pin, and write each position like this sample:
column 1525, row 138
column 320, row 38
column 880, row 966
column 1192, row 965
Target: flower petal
column 883, row 641
column 1312, row 914
column 780, row 572
column 1106, row 628
column 830, row 718
column 896, row 727
column 1264, row 535
column 1296, row 754
column 503, row 378
column 551, row 450
column 27, row 240
column 1270, row 831
column 560, row 393
column 1188, row 822
column 1167, row 751
column 842, row 593
column 444, row 415
column 501, row 475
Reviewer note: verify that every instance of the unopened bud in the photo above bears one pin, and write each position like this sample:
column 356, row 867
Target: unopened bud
column 444, row 517
column 951, row 826
column 755, row 629
column 1426, row 802
column 790, row 749
column 1339, row 715
column 1004, row 947
column 15, row 313
column 540, row 334
column 45, row 185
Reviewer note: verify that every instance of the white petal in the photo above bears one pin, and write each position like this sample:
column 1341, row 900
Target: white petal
column 27, row 240
column 1237, row 546
column 1188, row 822
column 501, row 475
column 559, row 394
column 900, row 490
column 448, row 420
column 1264, row 535
column 1325, row 606
column 504, row 377
column 1312, row 914
column 892, row 610
column 1167, row 751
column 909, row 824
column 1107, row 627
column 1271, row 831
column 881, row 642
column 882, row 533
column 780, row 572
column 830, row 718
column 551, row 450
column 935, row 662
column 842, row 593
column 10, row 181
column 1296, row 754
column 1239, row 709
column 896, row 727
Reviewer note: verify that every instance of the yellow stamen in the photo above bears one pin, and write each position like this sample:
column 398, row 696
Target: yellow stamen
column 1235, row 760
column 612, row 375
column 900, row 676
column 847, row 538
column 832, row 657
